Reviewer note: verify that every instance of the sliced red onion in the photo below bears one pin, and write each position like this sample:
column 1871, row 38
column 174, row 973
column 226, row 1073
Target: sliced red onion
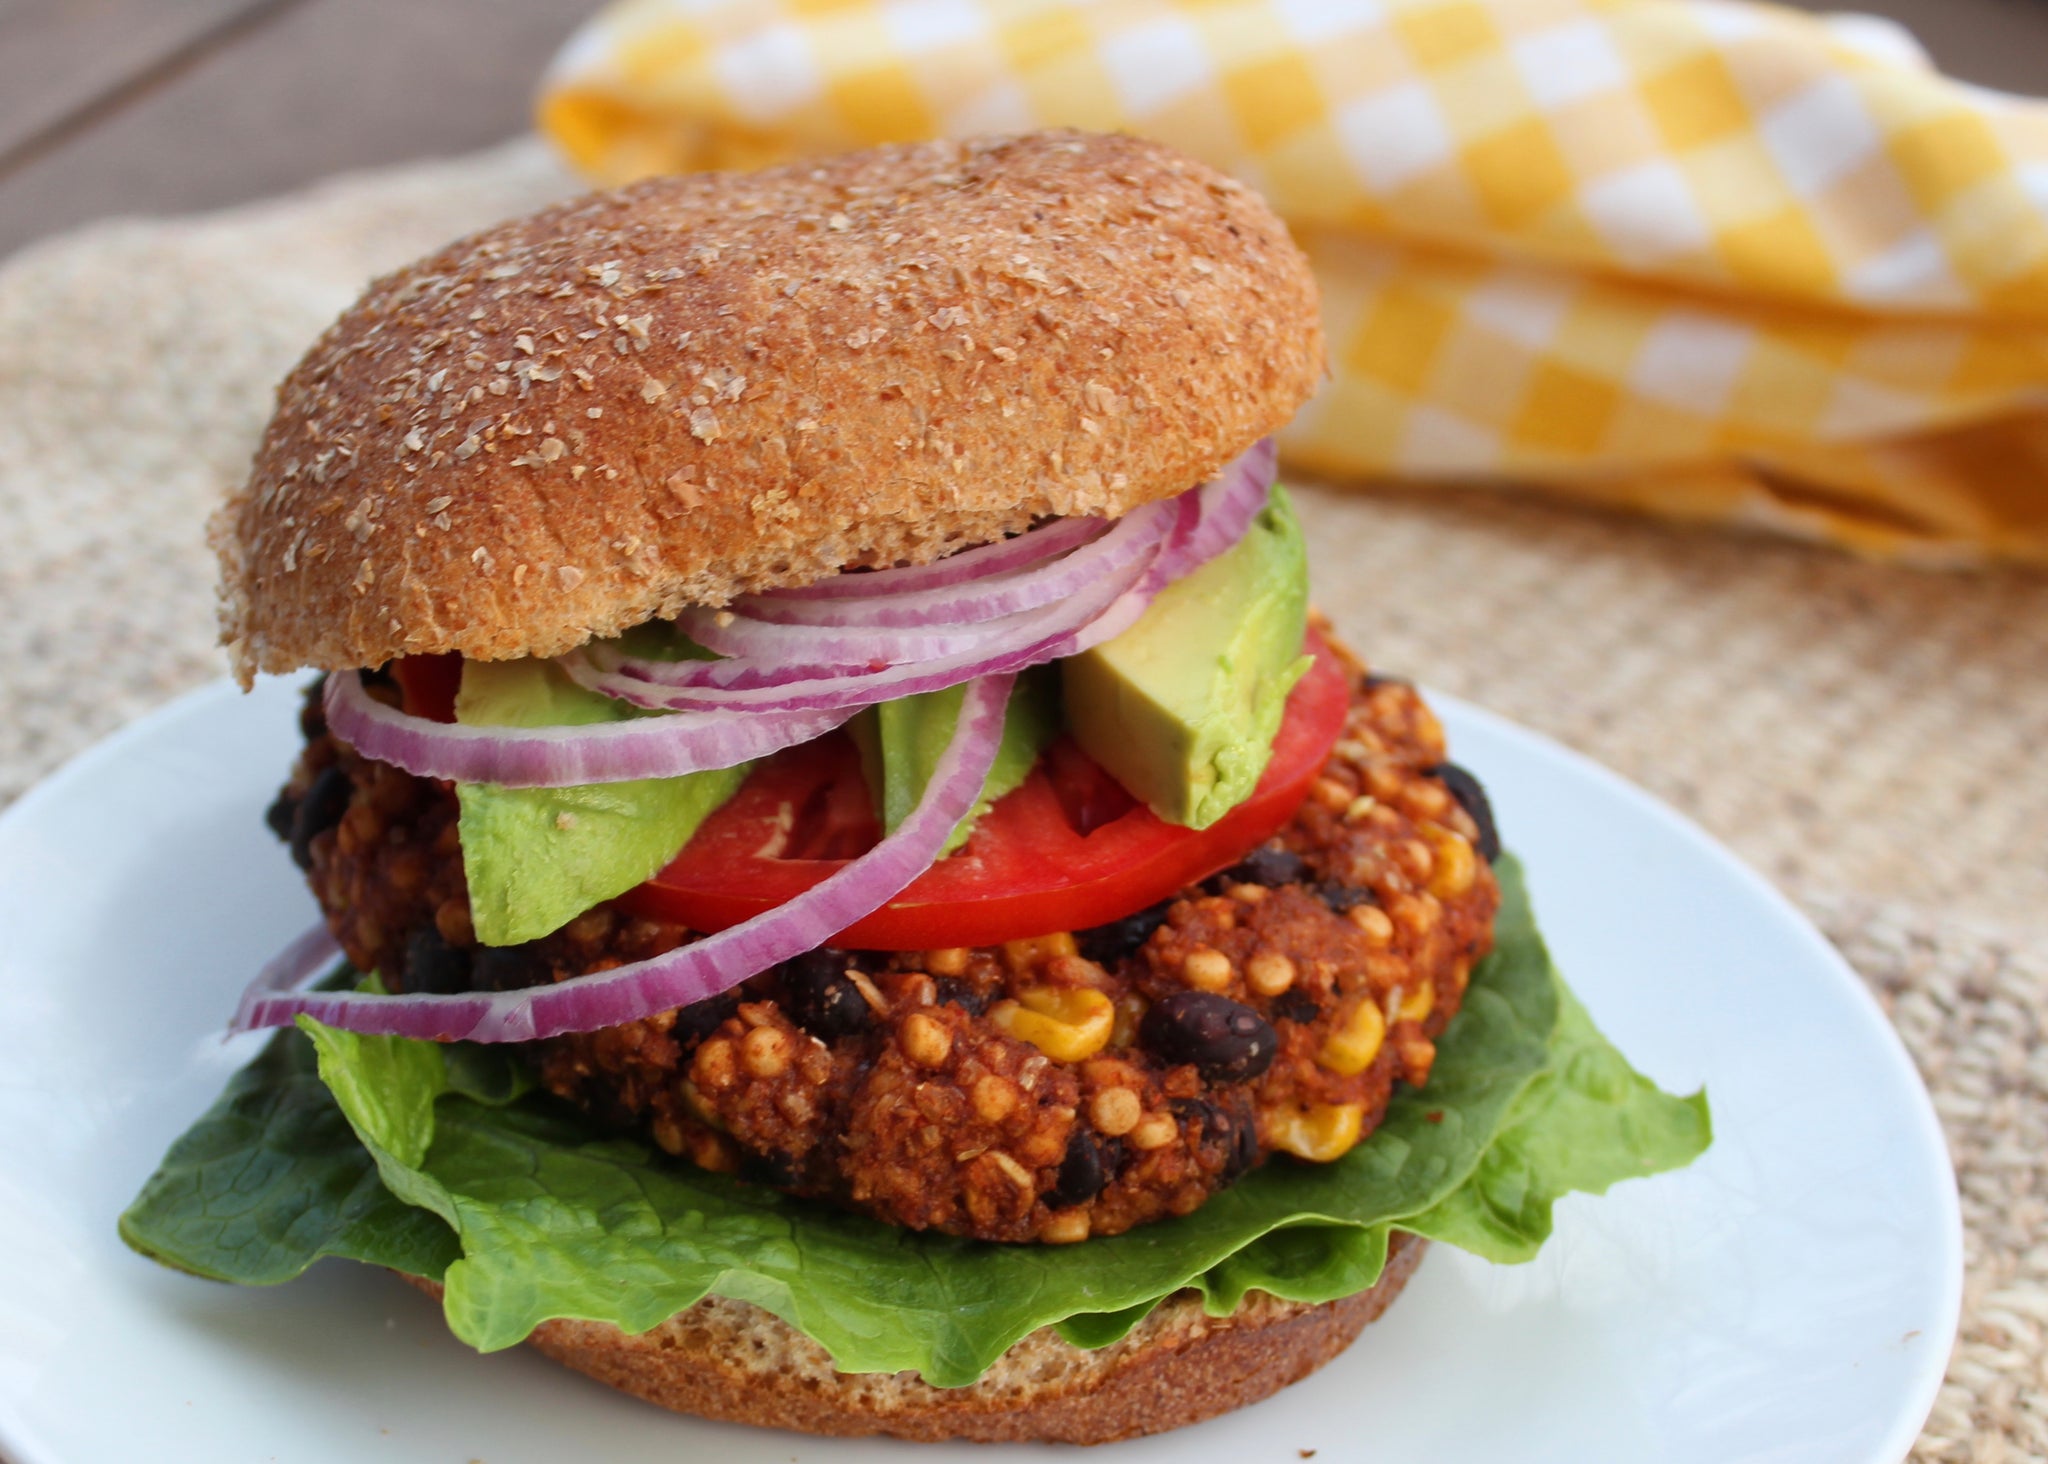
column 561, row 757
column 694, row 972
column 978, row 601
column 1027, row 548
column 601, row 659
column 1229, row 503
column 743, row 638
column 292, row 969
column 1036, row 637
column 1205, row 522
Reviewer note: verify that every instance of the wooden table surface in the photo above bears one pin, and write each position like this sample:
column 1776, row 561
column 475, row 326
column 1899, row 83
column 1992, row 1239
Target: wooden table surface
column 163, row 106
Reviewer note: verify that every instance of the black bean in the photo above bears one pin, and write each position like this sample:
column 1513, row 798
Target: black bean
column 1091, row 1160
column 1471, row 796
column 1342, row 897
column 1226, row 1041
column 313, row 711
column 820, row 999
column 700, row 1019
column 1374, row 679
column 773, row 1169
column 434, row 966
column 1294, row 1006
column 1269, row 867
column 1229, row 1139
column 963, row 994
column 1105, row 945
column 283, row 809
column 508, row 968
column 320, row 810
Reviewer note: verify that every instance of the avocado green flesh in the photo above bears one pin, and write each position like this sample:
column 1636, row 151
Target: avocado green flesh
column 1182, row 708
column 536, row 858
column 901, row 742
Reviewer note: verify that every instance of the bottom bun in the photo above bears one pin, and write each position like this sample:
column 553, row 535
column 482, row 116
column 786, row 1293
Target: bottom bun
column 734, row 1362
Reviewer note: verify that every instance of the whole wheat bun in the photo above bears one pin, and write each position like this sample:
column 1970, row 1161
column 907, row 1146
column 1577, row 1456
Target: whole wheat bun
column 733, row 1362
column 698, row 386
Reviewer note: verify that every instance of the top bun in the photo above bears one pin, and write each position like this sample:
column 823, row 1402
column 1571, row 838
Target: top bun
column 694, row 387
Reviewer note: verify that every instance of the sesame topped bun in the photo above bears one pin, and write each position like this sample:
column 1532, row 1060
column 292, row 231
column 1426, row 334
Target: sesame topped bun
column 699, row 386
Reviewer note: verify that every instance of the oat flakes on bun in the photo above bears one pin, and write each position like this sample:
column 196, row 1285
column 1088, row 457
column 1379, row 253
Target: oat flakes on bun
column 857, row 895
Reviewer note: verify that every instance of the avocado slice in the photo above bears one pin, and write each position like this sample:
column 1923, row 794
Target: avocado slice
column 901, row 742
column 536, row 858
column 1182, row 708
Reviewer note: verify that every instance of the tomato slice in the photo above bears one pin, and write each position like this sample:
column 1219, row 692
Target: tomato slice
column 428, row 684
column 1067, row 850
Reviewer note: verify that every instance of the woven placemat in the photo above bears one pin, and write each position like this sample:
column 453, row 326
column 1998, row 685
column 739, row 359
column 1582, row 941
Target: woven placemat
column 1870, row 738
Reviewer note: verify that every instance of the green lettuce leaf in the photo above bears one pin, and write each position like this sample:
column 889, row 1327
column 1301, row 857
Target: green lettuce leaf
column 1526, row 1102
column 272, row 1179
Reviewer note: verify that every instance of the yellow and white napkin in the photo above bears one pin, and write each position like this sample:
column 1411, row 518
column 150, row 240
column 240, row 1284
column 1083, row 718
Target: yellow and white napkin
column 1718, row 261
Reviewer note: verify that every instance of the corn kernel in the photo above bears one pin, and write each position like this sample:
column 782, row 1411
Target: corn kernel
column 712, row 1151
column 1456, row 865
column 1206, row 969
column 1015, row 1172
column 1351, row 1048
column 668, row 1134
column 1418, row 1004
column 995, row 1097
column 1065, row 1228
column 1384, row 781
column 1066, row 1023
column 1321, row 1132
column 1414, row 913
column 1130, row 1010
column 765, row 1051
column 712, row 1067
column 1074, row 971
column 1028, row 955
column 1269, row 973
column 1359, row 807
column 925, row 1040
column 1116, row 1111
column 950, row 961
column 1373, row 922
column 1332, row 794
column 1428, row 799
column 1418, row 1056
column 1155, row 1131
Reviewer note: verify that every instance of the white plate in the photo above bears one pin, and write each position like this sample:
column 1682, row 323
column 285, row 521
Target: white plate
column 1792, row 1296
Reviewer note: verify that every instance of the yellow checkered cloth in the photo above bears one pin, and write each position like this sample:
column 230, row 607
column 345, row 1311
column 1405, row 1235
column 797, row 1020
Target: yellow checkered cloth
column 1718, row 261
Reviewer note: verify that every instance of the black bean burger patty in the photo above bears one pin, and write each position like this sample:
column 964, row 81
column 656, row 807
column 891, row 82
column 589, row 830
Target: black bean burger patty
column 1073, row 1084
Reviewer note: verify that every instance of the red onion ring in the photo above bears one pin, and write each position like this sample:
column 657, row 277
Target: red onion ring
column 296, row 966
column 741, row 637
column 1122, row 552
column 977, row 601
column 560, row 757
column 689, row 973
column 1229, row 503
column 1025, row 549
column 1037, row 637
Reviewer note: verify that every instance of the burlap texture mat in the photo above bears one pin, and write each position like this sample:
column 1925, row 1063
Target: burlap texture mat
column 1872, row 739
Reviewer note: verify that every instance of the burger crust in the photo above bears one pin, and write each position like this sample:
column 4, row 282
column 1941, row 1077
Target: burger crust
column 733, row 1362
column 700, row 386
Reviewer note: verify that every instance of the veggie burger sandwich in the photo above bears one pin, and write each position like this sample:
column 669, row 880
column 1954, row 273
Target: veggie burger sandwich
column 857, row 894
